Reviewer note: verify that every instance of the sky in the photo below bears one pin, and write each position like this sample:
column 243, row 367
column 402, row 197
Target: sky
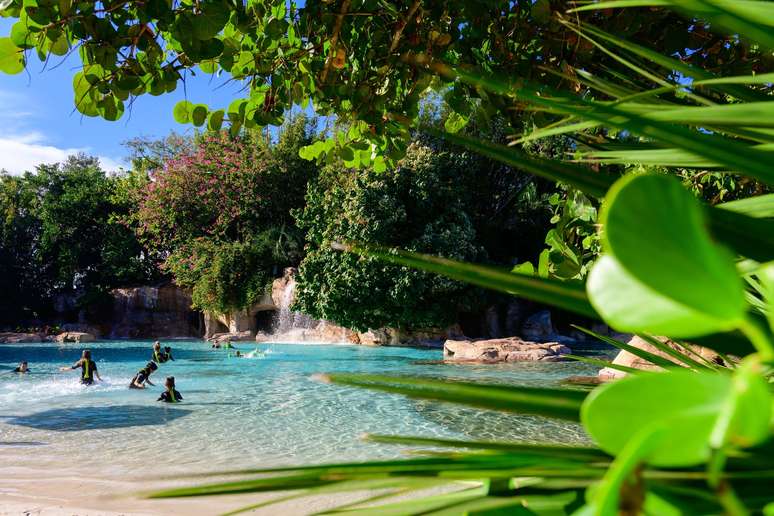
column 38, row 122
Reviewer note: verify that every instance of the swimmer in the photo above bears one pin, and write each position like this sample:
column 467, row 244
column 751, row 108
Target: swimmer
column 143, row 376
column 158, row 356
column 168, row 354
column 22, row 368
column 88, row 368
column 238, row 354
column 170, row 395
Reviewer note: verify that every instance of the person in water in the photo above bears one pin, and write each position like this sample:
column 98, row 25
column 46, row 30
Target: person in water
column 168, row 354
column 143, row 376
column 158, row 356
column 22, row 368
column 88, row 368
column 170, row 395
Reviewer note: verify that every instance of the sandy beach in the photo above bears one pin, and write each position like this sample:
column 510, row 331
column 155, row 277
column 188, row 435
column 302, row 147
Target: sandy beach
column 26, row 491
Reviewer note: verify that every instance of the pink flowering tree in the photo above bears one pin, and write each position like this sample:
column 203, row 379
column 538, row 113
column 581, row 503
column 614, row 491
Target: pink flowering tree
column 220, row 213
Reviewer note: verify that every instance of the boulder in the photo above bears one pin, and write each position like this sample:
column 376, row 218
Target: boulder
column 241, row 336
column 626, row 359
column 509, row 349
column 75, row 336
column 18, row 338
column 538, row 327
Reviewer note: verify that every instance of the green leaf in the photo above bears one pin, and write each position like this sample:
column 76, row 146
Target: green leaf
column 199, row 114
column 630, row 305
column 215, row 120
column 752, row 237
column 761, row 206
column 182, row 112
column 455, row 122
column 11, row 57
column 678, row 281
column 766, row 275
column 682, row 406
column 555, row 403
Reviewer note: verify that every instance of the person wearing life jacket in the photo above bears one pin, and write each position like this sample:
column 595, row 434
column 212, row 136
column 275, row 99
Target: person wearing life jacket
column 143, row 376
column 158, row 356
column 88, row 368
column 22, row 368
column 168, row 354
column 170, row 395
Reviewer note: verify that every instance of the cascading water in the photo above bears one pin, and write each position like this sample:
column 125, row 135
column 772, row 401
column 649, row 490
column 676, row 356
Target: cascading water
column 288, row 324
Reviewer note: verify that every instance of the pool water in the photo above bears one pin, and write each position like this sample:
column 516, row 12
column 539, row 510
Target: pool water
column 240, row 412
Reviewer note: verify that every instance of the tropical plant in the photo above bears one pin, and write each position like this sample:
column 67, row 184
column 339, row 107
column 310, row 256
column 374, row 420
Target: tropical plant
column 689, row 440
column 420, row 206
column 685, row 441
column 61, row 234
column 219, row 213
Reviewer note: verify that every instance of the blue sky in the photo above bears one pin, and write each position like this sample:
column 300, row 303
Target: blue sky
column 38, row 122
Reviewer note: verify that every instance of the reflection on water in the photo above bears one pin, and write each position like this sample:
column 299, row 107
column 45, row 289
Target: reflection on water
column 240, row 412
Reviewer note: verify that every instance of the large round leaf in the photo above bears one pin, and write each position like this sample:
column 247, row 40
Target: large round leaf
column 629, row 305
column 199, row 115
column 11, row 57
column 655, row 229
column 182, row 112
column 685, row 408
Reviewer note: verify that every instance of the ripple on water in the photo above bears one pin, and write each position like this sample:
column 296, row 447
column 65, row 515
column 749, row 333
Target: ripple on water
column 244, row 413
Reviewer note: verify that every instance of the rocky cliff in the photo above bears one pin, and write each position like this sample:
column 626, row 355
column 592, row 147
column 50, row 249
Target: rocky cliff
column 152, row 312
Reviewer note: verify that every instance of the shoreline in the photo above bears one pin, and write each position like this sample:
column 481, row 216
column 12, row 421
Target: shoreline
column 27, row 491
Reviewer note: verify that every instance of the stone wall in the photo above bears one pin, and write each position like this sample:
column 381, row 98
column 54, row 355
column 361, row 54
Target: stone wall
column 152, row 312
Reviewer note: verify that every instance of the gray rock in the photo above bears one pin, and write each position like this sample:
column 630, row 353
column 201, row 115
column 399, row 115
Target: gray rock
column 18, row 338
column 509, row 349
column 75, row 336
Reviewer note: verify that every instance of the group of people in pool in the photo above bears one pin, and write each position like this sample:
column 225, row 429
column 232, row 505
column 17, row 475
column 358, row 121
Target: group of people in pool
column 89, row 372
column 170, row 395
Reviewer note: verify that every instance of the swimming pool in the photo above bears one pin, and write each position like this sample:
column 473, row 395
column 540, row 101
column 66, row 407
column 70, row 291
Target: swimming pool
column 239, row 412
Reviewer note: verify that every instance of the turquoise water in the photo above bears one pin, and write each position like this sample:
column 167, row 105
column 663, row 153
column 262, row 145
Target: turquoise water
column 240, row 412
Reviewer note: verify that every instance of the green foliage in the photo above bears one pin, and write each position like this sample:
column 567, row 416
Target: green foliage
column 219, row 211
column 418, row 206
column 62, row 234
column 365, row 61
column 691, row 440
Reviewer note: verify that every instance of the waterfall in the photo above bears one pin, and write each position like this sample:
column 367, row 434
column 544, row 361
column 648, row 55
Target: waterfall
column 286, row 320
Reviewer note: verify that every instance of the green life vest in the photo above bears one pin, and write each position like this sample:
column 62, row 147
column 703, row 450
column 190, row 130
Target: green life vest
column 171, row 394
column 86, row 370
column 157, row 357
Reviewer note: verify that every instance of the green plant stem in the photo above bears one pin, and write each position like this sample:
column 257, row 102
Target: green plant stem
column 730, row 502
column 757, row 335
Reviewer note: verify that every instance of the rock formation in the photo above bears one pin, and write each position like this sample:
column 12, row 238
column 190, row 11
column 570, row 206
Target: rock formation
column 509, row 349
column 626, row 359
column 151, row 312
column 18, row 338
column 74, row 336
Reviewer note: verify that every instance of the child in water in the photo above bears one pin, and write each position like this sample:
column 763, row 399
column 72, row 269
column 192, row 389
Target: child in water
column 170, row 395
column 168, row 354
column 158, row 356
column 88, row 368
column 143, row 376
column 22, row 368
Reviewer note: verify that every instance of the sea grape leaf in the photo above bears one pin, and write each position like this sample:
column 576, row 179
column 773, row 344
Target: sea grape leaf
column 182, row 112
column 655, row 232
column 629, row 305
column 684, row 407
column 11, row 57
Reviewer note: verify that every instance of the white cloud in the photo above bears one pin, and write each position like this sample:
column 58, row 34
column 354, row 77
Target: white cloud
column 22, row 151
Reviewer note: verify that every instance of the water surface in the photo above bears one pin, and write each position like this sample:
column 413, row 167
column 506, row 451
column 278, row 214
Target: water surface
column 240, row 412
